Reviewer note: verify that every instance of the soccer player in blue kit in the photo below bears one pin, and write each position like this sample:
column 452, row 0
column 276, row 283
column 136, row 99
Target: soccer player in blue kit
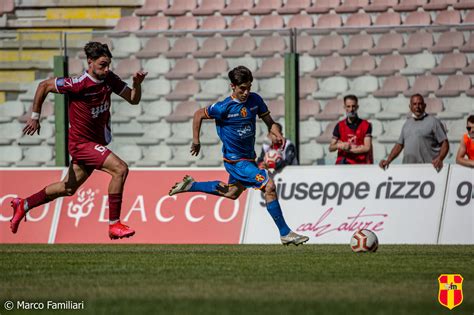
column 235, row 119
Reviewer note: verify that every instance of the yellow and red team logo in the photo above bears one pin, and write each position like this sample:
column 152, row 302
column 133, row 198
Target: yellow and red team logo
column 243, row 112
column 450, row 290
column 259, row 178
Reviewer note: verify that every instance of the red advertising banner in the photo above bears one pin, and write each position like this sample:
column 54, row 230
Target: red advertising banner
column 23, row 183
column 188, row 218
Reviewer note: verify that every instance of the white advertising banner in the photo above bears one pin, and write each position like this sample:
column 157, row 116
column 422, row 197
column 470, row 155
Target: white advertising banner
column 457, row 225
column 401, row 205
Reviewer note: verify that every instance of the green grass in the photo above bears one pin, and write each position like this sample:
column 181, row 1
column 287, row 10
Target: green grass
column 234, row 279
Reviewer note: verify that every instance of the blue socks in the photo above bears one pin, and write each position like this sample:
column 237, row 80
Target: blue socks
column 206, row 187
column 274, row 209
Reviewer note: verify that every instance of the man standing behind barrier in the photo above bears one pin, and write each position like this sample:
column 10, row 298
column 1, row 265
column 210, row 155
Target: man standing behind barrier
column 89, row 133
column 466, row 147
column 423, row 137
column 352, row 137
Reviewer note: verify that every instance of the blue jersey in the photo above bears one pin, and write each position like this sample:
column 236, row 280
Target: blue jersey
column 236, row 123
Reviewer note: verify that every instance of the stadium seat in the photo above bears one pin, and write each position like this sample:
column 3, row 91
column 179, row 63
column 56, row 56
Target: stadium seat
column 385, row 22
column 240, row 46
column 276, row 108
column 213, row 89
column 304, row 44
column 394, row 108
column 154, row 111
column 351, row 6
column 152, row 7
column 125, row 25
column 387, row 44
column 268, row 24
column 454, row 86
column 212, row 68
column 211, row 25
column 184, row 23
column 154, row 47
column 154, row 133
column 310, row 153
column 326, row 136
column 409, row 5
column 209, row 7
column 36, row 156
column 182, row 157
column 180, row 7
column 300, row 21
column 332, row 111
column 270, row 89
column 47, row 133
column 181, row 47
column 156, row 67
column 392, row 86
column 240, row 24
column 327, row 45
column 434, row 105
column 419, row 64
column 456, row 108
column 456, row 129
column 379, row 151
column 436, row 5
column 10, row 132
column 309, row 129
column 331, row 87
column 126, row 46
column 75, row 66
column 423, row 85
column 209, row 132
column 417, row 42
column 464, row 5
column 309, row 108
column 450, row 63
column 307, row 64
column 11, row 110
column 323, row 6
column 469, row 19
column 389, row 65
column 357, row 45
column 7, row 6
column 307, row 86
column 392, row 130
column 154, row 24
column 249, row 62
column 184, row 111
column 47, row 111
column 265, row 7
column 448, row 41
column 127, row 67
column 212, row 156
column 359, row 65
column 469, row 46
column 9, row 155
column 368, row 106
column 380, row 5
column 125, row 109
column 129, row 153
column 237, row 7
column 328, row 21
column 181, row 133
column 155, row 88
column 183, row 68
column 211, row 47
column 270, row 67
column 418, row 18
column 356, row 20
column 183, row 90
column 270, row 46
column 361, row 86
column 155, row 156
column 469, row 69
column 448, row 18
column 294, row 6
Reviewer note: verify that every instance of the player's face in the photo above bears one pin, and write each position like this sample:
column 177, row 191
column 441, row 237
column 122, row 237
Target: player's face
column 100, row 67
column 242, row 91
column 417, row 106
column 351, row 107
column 470, row 129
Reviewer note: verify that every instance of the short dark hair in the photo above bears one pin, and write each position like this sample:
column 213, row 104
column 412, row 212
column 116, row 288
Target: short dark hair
column 470, row 119
column 95, row 50
column 417, row 95
column 351, row 97
column 240, row 75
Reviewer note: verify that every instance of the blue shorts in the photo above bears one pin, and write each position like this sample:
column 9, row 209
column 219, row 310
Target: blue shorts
column 247, row 173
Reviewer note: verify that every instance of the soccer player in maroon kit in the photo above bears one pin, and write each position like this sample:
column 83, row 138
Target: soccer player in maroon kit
column 89, row 133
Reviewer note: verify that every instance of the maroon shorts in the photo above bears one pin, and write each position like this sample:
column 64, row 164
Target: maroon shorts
column 88, row 154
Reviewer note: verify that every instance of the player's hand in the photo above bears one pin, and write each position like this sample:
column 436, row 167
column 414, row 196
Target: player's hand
column 32, row 126
column 384, row 164
column 276, row 132
column 437, row 164
column 345, row 146
column 139, row 76
column 195, row 148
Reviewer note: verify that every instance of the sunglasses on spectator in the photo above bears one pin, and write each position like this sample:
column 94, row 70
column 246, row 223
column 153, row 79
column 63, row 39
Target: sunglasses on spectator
column 468, row 128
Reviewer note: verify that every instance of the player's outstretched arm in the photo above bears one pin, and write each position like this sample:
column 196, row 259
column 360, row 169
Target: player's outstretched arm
column 45, row 87
column 134, row 94
column 199, row 115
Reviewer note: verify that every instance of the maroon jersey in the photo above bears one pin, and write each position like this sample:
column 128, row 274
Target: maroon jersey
column 89, row 106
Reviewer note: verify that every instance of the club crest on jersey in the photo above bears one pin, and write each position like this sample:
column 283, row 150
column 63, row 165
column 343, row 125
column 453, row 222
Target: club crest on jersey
column 243, row 112
column 450, row 290
column 259, row 178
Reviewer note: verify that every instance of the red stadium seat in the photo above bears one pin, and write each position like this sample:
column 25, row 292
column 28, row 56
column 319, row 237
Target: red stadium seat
column 184, row 23
column 454, row 86
column 469, row 46
column 424, row 85
column 304, row 43
column 330, row 66
column 448, row 41
column 125, row 25
column 433, row 105
column 323, row 6
column 152, row 7
column 211, row 47
column 326, row 136
column 209, row 7
column 309, row 108
column 469, row 69
column 307, row 86
column 328, row 21
column 182, row 47
column 212, row 68
column 294, row 6
column 356, row 20
column 240, row 46
column 389, row 65
column 448, row 18
column 464, row 5
column 351, row 6
column 75, row 66
column 237, row 7
column 184, row 111
column 183, row 68
column 359, row 66
column 327, row 45
column 332, row 111
column 392, row 86
column 270, row 67
column 212, row 24
column 300, row 21
column 277, row 108
column 409, row 5
column 380, row 5
column 438, row 4
column 418, row 18
column 154, row 47
column 127, row 67
column 386, row 19
column 270, row 46
column 450, row 63
column 357, row 45
column 240, row 24
column 183, row 90
column 387, row 44
column 267, row 24
column 180, row 7
column 417, row 42
column 265, row 7
column 155, row 23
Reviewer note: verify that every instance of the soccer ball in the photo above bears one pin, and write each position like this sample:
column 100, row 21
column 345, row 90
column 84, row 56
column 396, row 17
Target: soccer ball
column 272, row 157
column 364, row 241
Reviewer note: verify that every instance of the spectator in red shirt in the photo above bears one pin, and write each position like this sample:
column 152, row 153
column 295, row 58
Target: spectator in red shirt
column 89, row 134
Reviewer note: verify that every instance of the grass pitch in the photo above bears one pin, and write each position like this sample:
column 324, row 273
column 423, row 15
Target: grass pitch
column 234, row 279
